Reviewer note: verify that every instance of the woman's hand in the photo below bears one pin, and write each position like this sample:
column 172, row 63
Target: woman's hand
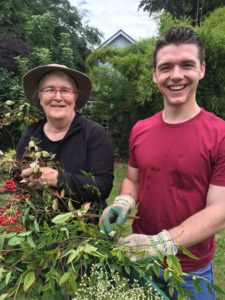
column 48, row 175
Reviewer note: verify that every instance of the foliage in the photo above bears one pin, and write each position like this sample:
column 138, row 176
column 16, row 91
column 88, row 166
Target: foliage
column 211, row 92
column 218, row 261
column 120, row 91
column 41, row 22
column 33, row 33
column 14, row 14
column 16, row 116
column 196, row 10
column 46, row 253
column 123, row 84
column 165, row 20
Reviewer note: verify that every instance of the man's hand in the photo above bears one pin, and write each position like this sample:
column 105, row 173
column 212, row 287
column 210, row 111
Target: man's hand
column 151, row 243
column 117, row 212
column 48, row 175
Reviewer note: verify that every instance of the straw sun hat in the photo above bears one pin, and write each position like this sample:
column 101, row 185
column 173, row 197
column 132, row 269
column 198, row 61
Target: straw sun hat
column 32, row 78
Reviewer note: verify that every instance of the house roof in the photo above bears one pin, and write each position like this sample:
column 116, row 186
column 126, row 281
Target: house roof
column 116, row 36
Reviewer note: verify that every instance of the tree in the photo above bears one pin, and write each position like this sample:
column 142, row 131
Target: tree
column 18, row 18
column 211, row 91
column 123, row 89
column 38, row 32
column 195, row 9
column 125, row 85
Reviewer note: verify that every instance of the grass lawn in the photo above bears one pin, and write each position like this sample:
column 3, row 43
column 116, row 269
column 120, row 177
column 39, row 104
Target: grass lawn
column 219, row 255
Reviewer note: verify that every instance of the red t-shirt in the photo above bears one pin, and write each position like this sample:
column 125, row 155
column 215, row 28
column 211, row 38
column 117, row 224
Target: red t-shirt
column 176, row 163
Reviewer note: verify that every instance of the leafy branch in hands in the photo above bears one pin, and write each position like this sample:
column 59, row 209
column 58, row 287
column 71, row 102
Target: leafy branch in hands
column 45, row 252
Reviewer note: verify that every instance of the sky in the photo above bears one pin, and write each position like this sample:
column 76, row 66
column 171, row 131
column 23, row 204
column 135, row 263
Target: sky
column 109, row 16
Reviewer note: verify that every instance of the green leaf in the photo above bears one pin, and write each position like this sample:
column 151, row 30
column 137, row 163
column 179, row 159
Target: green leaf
column 62, row 218
column 2, row 239
column 89, row 249
column 64, row 278
column 115, row 251
column 171, row 291
column 36, row 225
column 140, row 272
column 127, row 269
column 72, row 282
column 3, row 296
column 11, row 234
column 178, row 278
column 218, row 289
column 188, row 253
column 66, row 231
column 7, row 278
column 208, row 285
column 9, row 102
column 196, row 286
column 29, row 279
column 160, row 256
column 26, row 233
column 74, row 254
column 1, row 273
column 156, row 269
column 14, row 241
column 166, row 274
column 173, row 263
column 31, row 242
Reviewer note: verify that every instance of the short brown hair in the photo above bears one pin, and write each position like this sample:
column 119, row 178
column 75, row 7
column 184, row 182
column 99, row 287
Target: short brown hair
column 179, row 35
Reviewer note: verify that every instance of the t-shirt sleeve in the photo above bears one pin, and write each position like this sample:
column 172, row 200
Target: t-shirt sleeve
column 218, row 172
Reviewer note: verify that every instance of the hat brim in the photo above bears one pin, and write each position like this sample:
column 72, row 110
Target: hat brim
column 32, row 78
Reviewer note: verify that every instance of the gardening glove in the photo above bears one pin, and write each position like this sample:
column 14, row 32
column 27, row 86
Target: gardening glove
column 151, row 243
column 117, row 212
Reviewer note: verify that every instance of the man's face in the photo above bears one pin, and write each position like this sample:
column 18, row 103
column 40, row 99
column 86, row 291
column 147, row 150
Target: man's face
column 178, row 71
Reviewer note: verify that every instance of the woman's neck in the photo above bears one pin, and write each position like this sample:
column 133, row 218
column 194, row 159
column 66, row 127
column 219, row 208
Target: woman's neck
column 56, row 129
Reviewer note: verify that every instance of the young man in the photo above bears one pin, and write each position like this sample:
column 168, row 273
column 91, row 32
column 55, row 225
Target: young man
column 176, row 169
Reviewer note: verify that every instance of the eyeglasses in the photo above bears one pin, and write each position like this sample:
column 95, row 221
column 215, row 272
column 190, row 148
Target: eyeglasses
column 51, row 91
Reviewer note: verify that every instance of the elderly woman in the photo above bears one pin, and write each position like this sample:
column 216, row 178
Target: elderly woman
column 79, row 143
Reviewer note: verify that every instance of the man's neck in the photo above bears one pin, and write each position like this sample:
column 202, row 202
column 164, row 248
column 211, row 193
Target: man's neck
column 179, row 114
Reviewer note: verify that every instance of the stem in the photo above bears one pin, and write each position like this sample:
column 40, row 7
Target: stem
column 23, row 257
column 66, row 286
column 97, row 216
column 21, row 276
column 197, row 12
column 39, row 271
column 4, row 128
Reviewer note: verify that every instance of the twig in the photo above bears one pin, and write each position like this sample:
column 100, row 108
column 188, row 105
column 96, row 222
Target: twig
column 66, row 286
column 38, row 273
column 97, row 216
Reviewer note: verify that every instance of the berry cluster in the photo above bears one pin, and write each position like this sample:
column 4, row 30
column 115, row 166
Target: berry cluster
column 11, row 219
column 10, row 186
column 11, row 214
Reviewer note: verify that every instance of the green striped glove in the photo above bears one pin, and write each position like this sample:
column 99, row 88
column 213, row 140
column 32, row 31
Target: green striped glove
column 151, row 243
column 117, row 212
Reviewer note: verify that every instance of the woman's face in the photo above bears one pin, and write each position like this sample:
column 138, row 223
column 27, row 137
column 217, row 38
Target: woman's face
column 58, row 105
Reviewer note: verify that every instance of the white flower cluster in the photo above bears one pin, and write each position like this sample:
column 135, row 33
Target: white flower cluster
column 100, row 285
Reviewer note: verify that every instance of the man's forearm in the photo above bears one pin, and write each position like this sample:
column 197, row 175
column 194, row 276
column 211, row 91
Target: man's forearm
column 199, row 227
column 130, row 188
